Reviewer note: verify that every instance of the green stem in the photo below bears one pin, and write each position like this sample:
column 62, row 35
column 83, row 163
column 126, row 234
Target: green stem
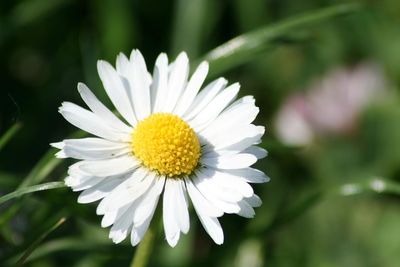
column 145, row 247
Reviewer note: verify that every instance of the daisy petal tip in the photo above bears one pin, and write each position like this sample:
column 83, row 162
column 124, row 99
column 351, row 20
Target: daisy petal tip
column 172, row 243
column 99, row 211
column 69, row 181
column 116, row 240
column 204, row 64
column 117, row 236
column 99, row 64
column 136, row 55
column 222, row 80
column 59, row 145
column 183, row 56
column 81, row 201
column 261, row 129
column 106, row 223
column 161, row 59
column 61, row 155
column 102, row 66
column 82, row 87
column 120, row 54
column 135, row 242
column 185, row 230
column 236, row 85
column 173, row 240
column 219, row 241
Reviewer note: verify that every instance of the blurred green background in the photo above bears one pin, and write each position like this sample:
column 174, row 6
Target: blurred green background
column 334, row 202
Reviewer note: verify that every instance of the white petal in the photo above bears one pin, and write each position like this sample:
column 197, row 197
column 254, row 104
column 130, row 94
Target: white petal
column 147, row 203
column 254, row 201
column 140, row 226
column 246, row 100
column 127, row 192
column 61, row 155
column 253, row 138
column 98, row 191
column 237, row 161
column 214, row 108
column 139, row 85
column 93, row 143
column 138, row 232
column 233, row 182
column 220, row 190
column 192, row 88
column 241, row 112
column 181, row 206
column 238, row 139
column 142, row 206
column 176, row 81
column 79, row 180
column 101, row 110
column 250, row 175
column 135, row 201
column 110, row 217
column 122, row 226
column 245, row 209
column 94, row 149
column 225, row 205
column 204, row 97
column 110, row 167
column 122, row 65
column 259, row 152
column 159, row 87
column 79, row 183
column 116, row 90
column 202, row 204
column 171, row 223
column 58, row 145
column 90, row 122
column 212, row 227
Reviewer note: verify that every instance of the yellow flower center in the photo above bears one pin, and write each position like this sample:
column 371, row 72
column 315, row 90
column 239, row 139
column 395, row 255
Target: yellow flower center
column 165, row 143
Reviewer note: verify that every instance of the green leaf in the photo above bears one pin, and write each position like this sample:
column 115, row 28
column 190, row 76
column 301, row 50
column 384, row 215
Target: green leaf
column 245, row 47
column 6, row 137
column 26, row 190
column 35, row 244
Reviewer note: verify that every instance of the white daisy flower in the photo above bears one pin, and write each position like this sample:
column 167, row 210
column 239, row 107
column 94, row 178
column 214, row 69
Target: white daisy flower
column 173, row 140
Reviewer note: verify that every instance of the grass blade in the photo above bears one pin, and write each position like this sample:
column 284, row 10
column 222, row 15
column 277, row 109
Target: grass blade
column 45, row 165
column 372, row 185
column 31, row 189
column 245, row 47
column 35, row 244
column 9, row 134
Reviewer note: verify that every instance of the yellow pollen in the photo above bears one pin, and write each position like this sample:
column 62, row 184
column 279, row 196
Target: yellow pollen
column 164, row 143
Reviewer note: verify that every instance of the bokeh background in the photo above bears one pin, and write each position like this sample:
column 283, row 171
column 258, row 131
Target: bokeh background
column 328, row 93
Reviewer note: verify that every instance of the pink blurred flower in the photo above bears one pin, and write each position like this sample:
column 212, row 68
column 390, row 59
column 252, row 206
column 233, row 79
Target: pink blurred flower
column 331, row 105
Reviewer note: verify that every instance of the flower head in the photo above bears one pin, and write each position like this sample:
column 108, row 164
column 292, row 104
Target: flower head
column 173, row 140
